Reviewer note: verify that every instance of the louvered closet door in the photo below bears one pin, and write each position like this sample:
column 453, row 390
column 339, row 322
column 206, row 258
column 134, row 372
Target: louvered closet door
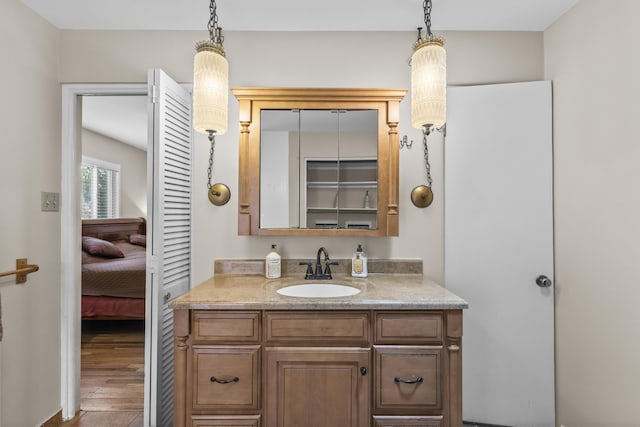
column 169, row 246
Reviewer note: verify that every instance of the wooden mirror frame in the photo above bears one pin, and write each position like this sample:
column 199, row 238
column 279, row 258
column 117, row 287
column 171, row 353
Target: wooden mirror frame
column 252, row 100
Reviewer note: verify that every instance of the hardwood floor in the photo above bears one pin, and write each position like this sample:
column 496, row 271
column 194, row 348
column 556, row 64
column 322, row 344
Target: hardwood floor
column 112, row 374
column 106, row 419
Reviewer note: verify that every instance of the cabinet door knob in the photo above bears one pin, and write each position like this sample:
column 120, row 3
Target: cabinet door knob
column 410, row 381
column 224, row 380
column 363, row 370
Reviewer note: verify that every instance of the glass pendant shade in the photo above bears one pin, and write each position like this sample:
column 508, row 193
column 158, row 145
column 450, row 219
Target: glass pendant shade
column 429, row 84
column 210, row 89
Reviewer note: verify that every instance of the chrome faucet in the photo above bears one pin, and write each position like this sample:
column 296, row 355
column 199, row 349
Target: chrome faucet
column 319, row 274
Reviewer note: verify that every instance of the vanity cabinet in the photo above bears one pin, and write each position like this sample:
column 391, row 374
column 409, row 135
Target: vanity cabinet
column 347, row 368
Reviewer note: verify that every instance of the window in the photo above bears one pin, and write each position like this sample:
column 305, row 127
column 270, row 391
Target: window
column 100, row 189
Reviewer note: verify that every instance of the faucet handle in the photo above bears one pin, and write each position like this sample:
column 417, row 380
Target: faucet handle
column 309, row 272
column 327, row 269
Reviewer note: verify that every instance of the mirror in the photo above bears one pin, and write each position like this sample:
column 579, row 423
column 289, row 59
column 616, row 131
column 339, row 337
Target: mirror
column 318, row 161
column 318, row 169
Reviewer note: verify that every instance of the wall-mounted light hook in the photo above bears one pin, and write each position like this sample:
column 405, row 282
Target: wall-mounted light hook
column 405, row 143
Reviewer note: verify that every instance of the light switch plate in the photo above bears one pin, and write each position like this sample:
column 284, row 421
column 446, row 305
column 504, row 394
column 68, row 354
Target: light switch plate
column 50, row 202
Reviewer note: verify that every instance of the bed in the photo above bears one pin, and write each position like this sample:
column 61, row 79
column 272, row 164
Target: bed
column 113, row 268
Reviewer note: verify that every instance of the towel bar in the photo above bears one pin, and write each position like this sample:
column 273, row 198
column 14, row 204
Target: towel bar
column 21, row 271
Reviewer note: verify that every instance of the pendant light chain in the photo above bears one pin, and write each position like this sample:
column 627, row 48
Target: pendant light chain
column 213, row 20
column 427, row 165
column 426, row 6
column 212, row 138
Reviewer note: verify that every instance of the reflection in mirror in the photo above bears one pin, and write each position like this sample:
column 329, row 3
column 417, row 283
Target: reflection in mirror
column 319, row 169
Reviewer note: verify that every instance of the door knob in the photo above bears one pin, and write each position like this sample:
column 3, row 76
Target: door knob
column 543, row 281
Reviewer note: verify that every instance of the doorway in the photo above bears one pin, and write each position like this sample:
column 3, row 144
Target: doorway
column 71, row 232
column 113, row 194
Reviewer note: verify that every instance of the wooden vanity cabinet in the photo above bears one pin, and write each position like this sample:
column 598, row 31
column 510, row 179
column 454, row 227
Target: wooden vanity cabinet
column 359, row 368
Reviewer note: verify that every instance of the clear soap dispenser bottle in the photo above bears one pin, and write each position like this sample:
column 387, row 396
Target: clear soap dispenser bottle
column 359, row 263
column 272, row 264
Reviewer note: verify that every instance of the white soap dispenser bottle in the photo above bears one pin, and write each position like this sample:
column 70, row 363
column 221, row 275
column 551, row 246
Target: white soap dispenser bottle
column 359, row 263
column 272, row 264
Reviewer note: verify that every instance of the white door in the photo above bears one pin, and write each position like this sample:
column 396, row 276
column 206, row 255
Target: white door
column 168, row 250
column 498, row 240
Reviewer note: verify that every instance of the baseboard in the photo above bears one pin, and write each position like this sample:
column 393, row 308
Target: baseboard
column 54, row 421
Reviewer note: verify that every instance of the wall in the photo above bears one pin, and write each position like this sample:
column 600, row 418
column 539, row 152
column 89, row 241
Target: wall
column 29, row 163
column 593, row 56
column 38, row 56
column 345, row 59
column 133, row 170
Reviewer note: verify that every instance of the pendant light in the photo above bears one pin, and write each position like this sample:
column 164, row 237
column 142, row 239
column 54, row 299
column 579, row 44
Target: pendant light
column 428, row 78
column 211, row 95
column 428, row 95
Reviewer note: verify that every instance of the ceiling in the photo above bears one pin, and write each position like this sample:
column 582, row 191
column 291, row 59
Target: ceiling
column 302, row 15
column 124, row 117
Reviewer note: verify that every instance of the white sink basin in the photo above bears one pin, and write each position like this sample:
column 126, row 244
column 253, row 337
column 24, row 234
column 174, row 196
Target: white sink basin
column 318, row 290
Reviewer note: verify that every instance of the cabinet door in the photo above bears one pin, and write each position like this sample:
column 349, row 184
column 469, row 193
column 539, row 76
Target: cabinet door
column 317, row 387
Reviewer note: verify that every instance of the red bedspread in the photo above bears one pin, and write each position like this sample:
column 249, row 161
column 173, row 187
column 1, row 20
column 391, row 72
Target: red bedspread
column 131, row 308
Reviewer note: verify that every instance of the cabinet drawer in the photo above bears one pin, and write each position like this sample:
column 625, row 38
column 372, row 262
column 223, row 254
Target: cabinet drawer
column 226, row 421
column 318, row 328
column 407, row 421
column 408, row 378
column 408, row 328
column 226, row 326
column 226, row 377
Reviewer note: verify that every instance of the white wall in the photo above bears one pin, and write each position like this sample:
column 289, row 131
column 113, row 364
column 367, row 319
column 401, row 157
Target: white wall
column 133, row 170
column 349, row 59
column 593, row 56
column 29, row 164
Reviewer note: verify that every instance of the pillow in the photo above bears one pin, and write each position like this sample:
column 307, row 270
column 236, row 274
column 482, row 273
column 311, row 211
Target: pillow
column 101, row 248
column 138, row 239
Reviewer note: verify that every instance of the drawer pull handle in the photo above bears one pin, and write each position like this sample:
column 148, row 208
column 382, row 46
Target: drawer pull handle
column 224, row 380
column 405, row 381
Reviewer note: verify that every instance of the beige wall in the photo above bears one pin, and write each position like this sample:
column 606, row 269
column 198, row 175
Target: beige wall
column 596, row 203
column 349, row 59
column 593, row 56
column 29, row 163
column 38, row 56
column 133, row 170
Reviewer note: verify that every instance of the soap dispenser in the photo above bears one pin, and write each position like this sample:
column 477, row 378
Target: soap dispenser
column 359, row 263
column 272, row 264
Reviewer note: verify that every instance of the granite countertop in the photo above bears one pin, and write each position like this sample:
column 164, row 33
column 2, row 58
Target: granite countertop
column 386, row 291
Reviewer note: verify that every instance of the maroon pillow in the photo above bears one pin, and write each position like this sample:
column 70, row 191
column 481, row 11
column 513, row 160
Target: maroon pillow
column 138, row 239
column 101, row 248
